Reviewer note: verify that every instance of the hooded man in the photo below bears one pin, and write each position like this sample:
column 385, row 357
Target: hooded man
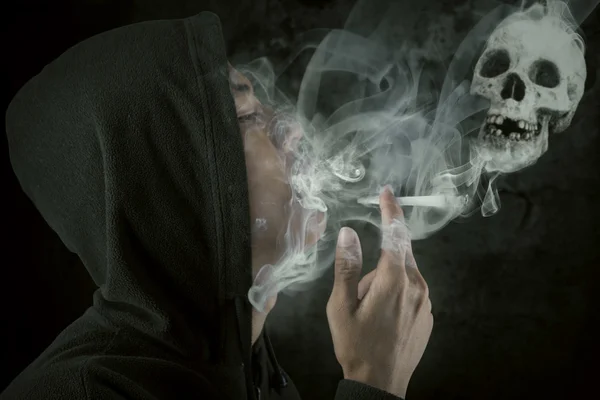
column 150, row 156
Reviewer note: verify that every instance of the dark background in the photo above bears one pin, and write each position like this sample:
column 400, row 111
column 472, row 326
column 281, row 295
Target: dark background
column 514, row 295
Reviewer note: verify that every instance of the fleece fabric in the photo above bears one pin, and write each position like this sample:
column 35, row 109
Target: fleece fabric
column 129, row 146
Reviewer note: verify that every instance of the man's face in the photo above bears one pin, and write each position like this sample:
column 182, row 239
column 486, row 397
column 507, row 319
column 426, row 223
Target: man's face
column 273, row 210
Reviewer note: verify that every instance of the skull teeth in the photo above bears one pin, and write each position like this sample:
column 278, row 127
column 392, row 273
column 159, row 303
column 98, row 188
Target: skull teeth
column 496, row 127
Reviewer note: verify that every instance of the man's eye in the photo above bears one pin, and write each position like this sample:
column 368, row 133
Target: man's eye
column 248, row 118
column 243, row 88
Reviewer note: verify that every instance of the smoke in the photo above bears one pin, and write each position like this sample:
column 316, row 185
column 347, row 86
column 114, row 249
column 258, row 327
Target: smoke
column 372, row 115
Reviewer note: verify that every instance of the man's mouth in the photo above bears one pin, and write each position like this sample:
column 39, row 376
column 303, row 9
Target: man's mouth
column 498, row 126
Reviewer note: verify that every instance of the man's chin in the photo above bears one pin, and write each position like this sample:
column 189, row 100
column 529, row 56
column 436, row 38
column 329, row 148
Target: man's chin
column 259, row 317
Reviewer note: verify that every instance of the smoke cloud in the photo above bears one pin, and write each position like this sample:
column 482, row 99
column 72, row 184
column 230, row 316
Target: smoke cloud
column 372, row 115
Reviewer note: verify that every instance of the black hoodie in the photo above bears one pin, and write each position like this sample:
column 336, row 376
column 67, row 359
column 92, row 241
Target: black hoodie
column 129, row 146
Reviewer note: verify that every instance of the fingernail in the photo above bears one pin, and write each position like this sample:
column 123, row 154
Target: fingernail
column 346, row 237
column 389, row 188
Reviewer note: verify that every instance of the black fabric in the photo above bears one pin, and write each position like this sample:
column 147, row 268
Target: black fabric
column 348, row 389
column 128, row 144
column 269, row 379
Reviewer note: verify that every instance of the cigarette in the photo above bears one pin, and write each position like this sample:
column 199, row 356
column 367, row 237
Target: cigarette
column 434, row 201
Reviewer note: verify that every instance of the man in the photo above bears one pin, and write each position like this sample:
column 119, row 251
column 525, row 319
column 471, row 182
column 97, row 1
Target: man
column 149, row 156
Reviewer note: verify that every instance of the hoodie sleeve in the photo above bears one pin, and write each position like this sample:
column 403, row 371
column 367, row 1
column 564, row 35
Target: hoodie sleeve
column 352, row 390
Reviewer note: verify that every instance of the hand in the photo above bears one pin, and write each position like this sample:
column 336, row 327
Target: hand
column 380, row 324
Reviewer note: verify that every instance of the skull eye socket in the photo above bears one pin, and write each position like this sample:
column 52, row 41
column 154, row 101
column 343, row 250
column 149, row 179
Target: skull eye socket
column 544, row 73
column 496, row 62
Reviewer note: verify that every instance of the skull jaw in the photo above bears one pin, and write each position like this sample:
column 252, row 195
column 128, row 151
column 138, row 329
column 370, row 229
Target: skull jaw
column 501, row 154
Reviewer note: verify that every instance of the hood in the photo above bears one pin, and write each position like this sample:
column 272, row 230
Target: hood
column 129, row 146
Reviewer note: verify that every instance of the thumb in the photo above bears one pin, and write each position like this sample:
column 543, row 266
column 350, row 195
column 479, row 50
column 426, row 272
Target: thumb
column 348, row 265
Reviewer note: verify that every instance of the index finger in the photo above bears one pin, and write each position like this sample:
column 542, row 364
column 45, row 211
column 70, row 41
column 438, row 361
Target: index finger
column 395, row 236
column 390, row 209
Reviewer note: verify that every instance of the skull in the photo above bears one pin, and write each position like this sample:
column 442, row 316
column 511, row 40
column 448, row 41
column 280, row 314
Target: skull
column 533, row 73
